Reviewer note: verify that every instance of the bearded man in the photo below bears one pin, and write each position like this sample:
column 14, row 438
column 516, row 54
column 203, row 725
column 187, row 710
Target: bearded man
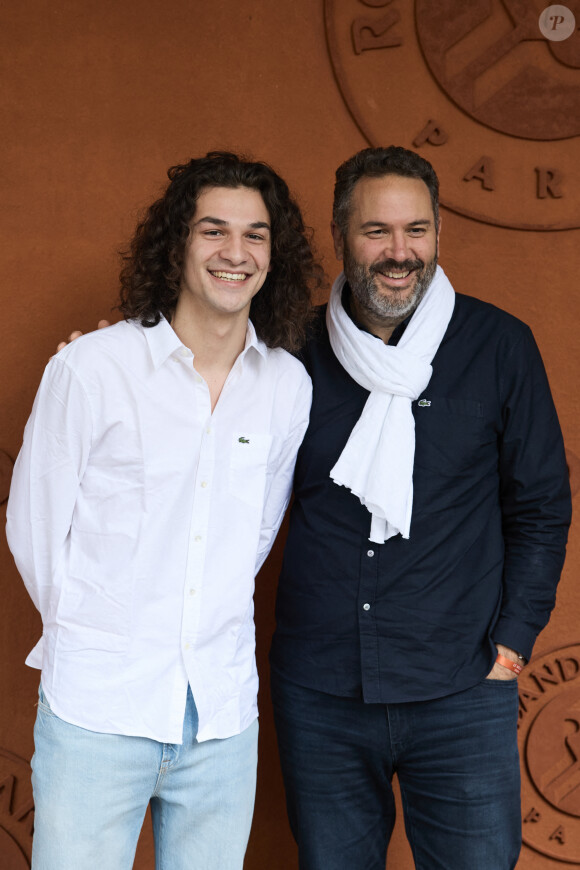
column 426, row 540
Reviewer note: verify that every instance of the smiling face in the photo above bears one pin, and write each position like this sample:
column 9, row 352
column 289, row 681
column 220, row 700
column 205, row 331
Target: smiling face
column 390, row 248
column 227, row 253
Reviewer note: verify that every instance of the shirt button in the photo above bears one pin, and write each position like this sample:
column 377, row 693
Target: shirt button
column 203, row 484
column 192, row 591
column 366, row 607
column 197, row 538
column 186, row 646
column 198, row 379
column 184, row 351
column 370, row 553
column 208, row 430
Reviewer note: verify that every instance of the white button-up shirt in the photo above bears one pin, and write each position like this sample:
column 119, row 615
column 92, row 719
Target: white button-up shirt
column 138, row 521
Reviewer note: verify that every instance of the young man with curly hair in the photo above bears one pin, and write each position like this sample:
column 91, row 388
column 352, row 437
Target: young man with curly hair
column 155, row 471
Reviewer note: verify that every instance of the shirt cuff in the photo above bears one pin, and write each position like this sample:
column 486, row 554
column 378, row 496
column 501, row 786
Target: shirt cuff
column 514, row 635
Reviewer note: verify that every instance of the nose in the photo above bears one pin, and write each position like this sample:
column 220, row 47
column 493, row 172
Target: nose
column 397, row 246
column 233, row 249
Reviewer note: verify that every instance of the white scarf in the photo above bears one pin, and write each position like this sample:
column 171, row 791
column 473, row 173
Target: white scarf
column 377, row 461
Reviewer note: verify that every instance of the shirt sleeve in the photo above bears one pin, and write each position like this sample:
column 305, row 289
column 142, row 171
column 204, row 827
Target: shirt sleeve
column 46, row 478
column 281, row 475
column 535, row 498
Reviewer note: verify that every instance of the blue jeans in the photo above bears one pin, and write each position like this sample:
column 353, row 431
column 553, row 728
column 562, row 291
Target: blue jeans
column 456, row 759
column 91, row 792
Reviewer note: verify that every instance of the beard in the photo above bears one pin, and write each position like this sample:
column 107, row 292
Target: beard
column 377, row 305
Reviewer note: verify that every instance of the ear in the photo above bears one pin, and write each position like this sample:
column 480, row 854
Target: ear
column 338, row 240
column 438, row 230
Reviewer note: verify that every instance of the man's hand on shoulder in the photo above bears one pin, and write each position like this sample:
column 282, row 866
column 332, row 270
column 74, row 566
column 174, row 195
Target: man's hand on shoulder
column 77, row 334
column 501, row 672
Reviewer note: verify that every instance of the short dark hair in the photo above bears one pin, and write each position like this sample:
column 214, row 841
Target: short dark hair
column 375, row 163
column 152, row 271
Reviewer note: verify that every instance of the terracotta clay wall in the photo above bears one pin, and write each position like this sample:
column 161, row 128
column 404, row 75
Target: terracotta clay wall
column 99, row 99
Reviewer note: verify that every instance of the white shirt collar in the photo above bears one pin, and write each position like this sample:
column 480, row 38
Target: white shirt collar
column 163, row 342
column 252, row 340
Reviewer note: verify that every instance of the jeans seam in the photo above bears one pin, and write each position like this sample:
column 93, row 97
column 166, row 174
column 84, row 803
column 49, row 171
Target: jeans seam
column 160, row 780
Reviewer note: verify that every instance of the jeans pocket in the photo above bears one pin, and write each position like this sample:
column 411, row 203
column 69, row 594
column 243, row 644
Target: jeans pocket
column 487, row 681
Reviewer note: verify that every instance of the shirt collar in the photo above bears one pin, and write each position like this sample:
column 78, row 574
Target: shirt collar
column 163, row 342
column 252, row 340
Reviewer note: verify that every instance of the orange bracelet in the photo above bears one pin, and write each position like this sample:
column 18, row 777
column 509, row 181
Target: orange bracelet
column 516, row 667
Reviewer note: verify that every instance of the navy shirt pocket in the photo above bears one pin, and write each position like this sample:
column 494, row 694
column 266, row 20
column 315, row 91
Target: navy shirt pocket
column 453, row 435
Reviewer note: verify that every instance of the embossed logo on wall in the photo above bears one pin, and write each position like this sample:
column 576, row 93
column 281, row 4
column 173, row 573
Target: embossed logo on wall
column 549, row 739
column 16, row 812
column 479, row 90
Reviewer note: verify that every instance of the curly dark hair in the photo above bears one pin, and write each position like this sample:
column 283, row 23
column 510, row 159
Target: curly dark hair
column 152, row 271
column 374, row 163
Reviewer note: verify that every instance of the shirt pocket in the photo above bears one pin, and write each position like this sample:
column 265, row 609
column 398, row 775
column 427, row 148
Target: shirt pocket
column 452, row 436
column 248, row 467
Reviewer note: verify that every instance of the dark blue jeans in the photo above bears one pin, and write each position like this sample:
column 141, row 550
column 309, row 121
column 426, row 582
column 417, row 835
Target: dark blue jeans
column 456, row 759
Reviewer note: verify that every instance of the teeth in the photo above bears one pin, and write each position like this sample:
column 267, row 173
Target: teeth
column 396, row 274
column 230, row 276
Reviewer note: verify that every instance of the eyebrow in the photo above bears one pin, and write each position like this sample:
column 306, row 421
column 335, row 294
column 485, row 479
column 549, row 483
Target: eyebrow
column 218, row 222
column 422, row 222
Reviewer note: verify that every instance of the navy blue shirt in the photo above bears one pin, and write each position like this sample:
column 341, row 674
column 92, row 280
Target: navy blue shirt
column 417, row 619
